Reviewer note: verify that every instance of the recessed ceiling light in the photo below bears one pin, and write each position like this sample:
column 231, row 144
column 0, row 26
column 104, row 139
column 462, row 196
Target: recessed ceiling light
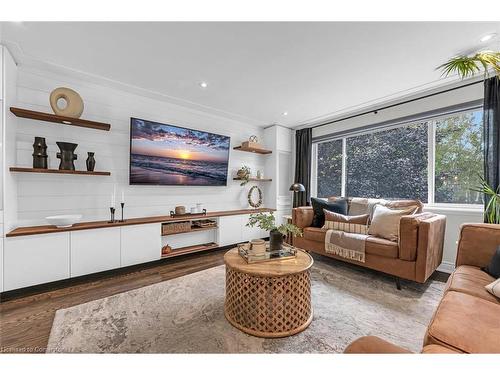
column 487, row 37
column 203, row 85
column 284, row 114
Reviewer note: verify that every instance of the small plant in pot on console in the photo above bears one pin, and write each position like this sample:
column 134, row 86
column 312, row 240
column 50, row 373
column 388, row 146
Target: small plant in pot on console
column 276, row 233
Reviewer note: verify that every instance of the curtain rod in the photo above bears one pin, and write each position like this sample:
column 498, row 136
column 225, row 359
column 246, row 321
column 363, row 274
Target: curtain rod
column 397, row 104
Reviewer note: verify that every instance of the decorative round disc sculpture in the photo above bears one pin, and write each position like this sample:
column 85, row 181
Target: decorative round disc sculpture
column 268, row 299
column 74, row 102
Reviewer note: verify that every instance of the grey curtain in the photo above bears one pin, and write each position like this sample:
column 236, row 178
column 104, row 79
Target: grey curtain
column 303, row 155
column 491, row 122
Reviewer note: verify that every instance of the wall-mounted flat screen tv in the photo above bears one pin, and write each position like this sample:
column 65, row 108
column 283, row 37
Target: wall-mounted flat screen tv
column 162, row 154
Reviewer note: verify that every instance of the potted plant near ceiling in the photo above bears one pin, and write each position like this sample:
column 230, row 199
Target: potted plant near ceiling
column 267, row 222
column 468, row 66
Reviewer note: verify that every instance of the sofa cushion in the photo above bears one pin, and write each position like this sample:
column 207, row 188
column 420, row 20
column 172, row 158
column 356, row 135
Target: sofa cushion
column 493, row 268
column 471, row 280
column 456, row 324
column 339, row 206
column 381, row 247
column 374, row 245
column 351, row 224
column 494, row 288
column 385, row 221
column 315, row 234
column 438, row 349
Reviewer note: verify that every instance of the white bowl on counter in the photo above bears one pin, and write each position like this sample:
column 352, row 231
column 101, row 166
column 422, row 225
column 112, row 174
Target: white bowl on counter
column 63, row 221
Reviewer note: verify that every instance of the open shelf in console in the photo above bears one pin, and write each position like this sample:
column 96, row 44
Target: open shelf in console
column 190, row 249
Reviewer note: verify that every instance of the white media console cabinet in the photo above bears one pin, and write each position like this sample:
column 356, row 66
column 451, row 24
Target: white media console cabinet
column 41, row 254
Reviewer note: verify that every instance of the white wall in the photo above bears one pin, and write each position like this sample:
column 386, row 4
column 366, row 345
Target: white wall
column 43, row 195
column 455, row 216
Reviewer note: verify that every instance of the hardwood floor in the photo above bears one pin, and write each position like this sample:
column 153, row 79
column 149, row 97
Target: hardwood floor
column 26, row 320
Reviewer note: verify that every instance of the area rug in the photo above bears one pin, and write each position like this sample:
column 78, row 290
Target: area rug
column 186, row 315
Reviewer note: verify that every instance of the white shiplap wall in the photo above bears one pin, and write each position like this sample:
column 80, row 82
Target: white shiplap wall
column 43, row 195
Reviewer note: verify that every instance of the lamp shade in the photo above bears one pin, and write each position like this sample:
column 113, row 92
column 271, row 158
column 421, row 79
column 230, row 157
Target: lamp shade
column 296, row 187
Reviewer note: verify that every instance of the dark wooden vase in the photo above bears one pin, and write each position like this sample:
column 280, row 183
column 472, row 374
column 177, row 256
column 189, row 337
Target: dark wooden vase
column 67, row 155
column 40, row 153
column 275, row 240
column 90, row 162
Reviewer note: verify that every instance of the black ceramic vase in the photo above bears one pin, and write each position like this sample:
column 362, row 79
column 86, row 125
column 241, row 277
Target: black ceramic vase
column 40, row 153
column 90, row 162
column 275, row 240
column 67, row 155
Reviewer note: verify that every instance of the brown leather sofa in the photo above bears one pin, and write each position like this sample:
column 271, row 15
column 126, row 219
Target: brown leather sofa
column 416, row 256
column 467, row 319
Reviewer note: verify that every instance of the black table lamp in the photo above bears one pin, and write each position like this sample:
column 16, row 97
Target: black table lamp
column 296, row 188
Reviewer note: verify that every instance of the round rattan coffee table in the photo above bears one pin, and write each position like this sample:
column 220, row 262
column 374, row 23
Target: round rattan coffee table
column 268, row 299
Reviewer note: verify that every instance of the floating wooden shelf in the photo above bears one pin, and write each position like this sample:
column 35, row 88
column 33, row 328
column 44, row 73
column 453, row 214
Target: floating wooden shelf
column 254, row 179
column 57, row 171
column 197, row 229
column 253, row 150
column 49, row 117
column 191, row 249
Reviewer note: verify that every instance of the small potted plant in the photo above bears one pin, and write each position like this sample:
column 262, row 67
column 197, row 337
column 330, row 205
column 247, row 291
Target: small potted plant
column 276, row 233
column 244, row 174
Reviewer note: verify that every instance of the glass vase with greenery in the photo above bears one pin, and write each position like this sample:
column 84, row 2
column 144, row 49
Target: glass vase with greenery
column 267, row 222
column 492, row 196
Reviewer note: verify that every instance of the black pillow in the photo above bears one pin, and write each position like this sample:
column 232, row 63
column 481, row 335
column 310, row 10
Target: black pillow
column 339, row 206
column 494, row 267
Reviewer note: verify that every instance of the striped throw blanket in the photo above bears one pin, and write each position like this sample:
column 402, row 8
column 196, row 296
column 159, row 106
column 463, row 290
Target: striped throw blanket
column 346, row 245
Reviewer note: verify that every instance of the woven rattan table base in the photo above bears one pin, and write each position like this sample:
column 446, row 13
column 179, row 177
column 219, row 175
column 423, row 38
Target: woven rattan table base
column 268, row 306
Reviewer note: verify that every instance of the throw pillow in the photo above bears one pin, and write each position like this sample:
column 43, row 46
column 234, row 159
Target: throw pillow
column 339, row 206
column 493, row 268
column 385, row 222
column 351, row 224
column 494, row 288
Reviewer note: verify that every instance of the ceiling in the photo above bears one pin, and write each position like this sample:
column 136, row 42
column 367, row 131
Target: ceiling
column 255, row 71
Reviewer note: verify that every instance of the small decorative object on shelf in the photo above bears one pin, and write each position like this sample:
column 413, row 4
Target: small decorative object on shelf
column 122, row 205
column 180, row 210
column 199, row 208
column 40, row 153
column 253, row 142
column 173, row 214
column 167, row 249
column 276, row 233
column 251, row 198
column 244, row 174
column 74, row 102
column 67, row 155
column 259, row 175
column 90, row 162
column 112, row 215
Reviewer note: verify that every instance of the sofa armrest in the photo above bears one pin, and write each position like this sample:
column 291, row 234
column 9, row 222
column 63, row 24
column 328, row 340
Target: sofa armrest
column 477, row 244
column 408, row 235
column 430, row 246
column 302, row 216
column 374, row 345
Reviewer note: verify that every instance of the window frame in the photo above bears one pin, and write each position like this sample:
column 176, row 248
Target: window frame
column 431, row 161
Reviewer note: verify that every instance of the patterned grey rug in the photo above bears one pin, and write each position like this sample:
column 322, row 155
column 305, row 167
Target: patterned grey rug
column 185, row 315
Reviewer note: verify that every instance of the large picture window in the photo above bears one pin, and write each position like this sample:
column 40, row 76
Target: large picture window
column 436, row 161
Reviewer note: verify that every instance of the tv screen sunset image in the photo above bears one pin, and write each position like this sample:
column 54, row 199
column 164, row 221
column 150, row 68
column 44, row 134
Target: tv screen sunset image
column 162, row 154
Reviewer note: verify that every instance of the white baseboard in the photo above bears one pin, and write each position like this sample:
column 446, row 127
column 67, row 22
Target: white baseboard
column 446, row 267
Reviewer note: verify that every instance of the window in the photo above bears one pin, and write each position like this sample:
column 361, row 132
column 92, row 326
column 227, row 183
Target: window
column 459, row 158
column 437, row 161
column 330, row 168
column 388, row 164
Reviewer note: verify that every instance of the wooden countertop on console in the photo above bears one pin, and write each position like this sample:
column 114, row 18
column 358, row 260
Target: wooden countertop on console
column 44, row 229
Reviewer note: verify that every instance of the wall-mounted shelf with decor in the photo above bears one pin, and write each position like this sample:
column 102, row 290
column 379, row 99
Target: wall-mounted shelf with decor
column 49, row 117
column 254, row 179
column 56, row 171
column 253, row 150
